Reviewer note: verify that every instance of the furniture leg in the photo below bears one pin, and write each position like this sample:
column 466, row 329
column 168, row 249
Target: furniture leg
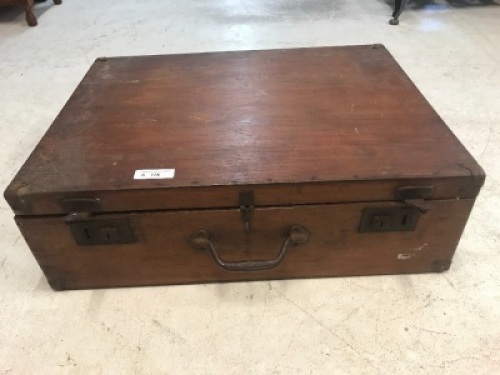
column 30, row 16
column 399, row 6
column 58, row 2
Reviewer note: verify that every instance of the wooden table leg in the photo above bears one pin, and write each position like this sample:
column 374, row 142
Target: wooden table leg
column 399, row 6
column 28, row 10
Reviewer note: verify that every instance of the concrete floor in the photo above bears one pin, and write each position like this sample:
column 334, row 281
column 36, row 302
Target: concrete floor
column 427, row 324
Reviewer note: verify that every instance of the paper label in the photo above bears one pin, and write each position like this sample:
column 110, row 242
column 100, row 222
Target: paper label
column 154, row 174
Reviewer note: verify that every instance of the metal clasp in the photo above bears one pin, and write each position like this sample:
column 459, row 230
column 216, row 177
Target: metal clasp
column 247, row 205
column 415, row 196
column 89, row 229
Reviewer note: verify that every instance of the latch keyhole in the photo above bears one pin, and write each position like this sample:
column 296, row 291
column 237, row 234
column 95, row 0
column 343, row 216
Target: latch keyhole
column 403, row 221
column 246, row 207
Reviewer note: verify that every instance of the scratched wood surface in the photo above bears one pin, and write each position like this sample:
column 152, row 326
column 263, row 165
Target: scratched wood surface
column 162, row 254
column 298, row 126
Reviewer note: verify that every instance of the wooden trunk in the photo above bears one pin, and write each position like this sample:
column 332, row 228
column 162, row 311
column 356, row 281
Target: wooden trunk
column 244, row 166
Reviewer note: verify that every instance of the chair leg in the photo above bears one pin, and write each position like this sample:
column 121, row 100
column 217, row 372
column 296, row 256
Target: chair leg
column 399, row 6
column 58, row 2
column 30, row 16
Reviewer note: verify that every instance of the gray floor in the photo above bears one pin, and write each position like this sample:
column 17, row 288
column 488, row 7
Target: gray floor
column 428, row 324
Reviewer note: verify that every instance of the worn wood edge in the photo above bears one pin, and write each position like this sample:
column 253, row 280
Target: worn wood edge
column 438, row 267
column 19, row 188
column 23, row 202
column 380, row 46
column 474, row 168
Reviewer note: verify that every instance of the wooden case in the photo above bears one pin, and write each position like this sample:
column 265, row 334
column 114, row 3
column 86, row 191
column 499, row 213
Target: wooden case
column 244, row 166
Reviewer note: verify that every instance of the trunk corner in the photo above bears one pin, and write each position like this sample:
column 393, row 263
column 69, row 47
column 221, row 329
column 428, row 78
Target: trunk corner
column 477, row 178
column 15, row 195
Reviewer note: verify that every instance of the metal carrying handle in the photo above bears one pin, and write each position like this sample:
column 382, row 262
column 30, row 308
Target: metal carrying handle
column 201, row 240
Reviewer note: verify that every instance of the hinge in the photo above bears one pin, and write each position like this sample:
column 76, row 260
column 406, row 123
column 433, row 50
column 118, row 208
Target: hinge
column 247, row 205
column 415, row 196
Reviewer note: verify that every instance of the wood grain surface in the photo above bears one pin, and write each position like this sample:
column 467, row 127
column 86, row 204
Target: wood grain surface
column 163, row 255
column 296, row 126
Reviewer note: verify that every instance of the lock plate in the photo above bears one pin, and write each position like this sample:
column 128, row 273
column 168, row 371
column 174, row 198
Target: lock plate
column 102, row 232
column 389, row 219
